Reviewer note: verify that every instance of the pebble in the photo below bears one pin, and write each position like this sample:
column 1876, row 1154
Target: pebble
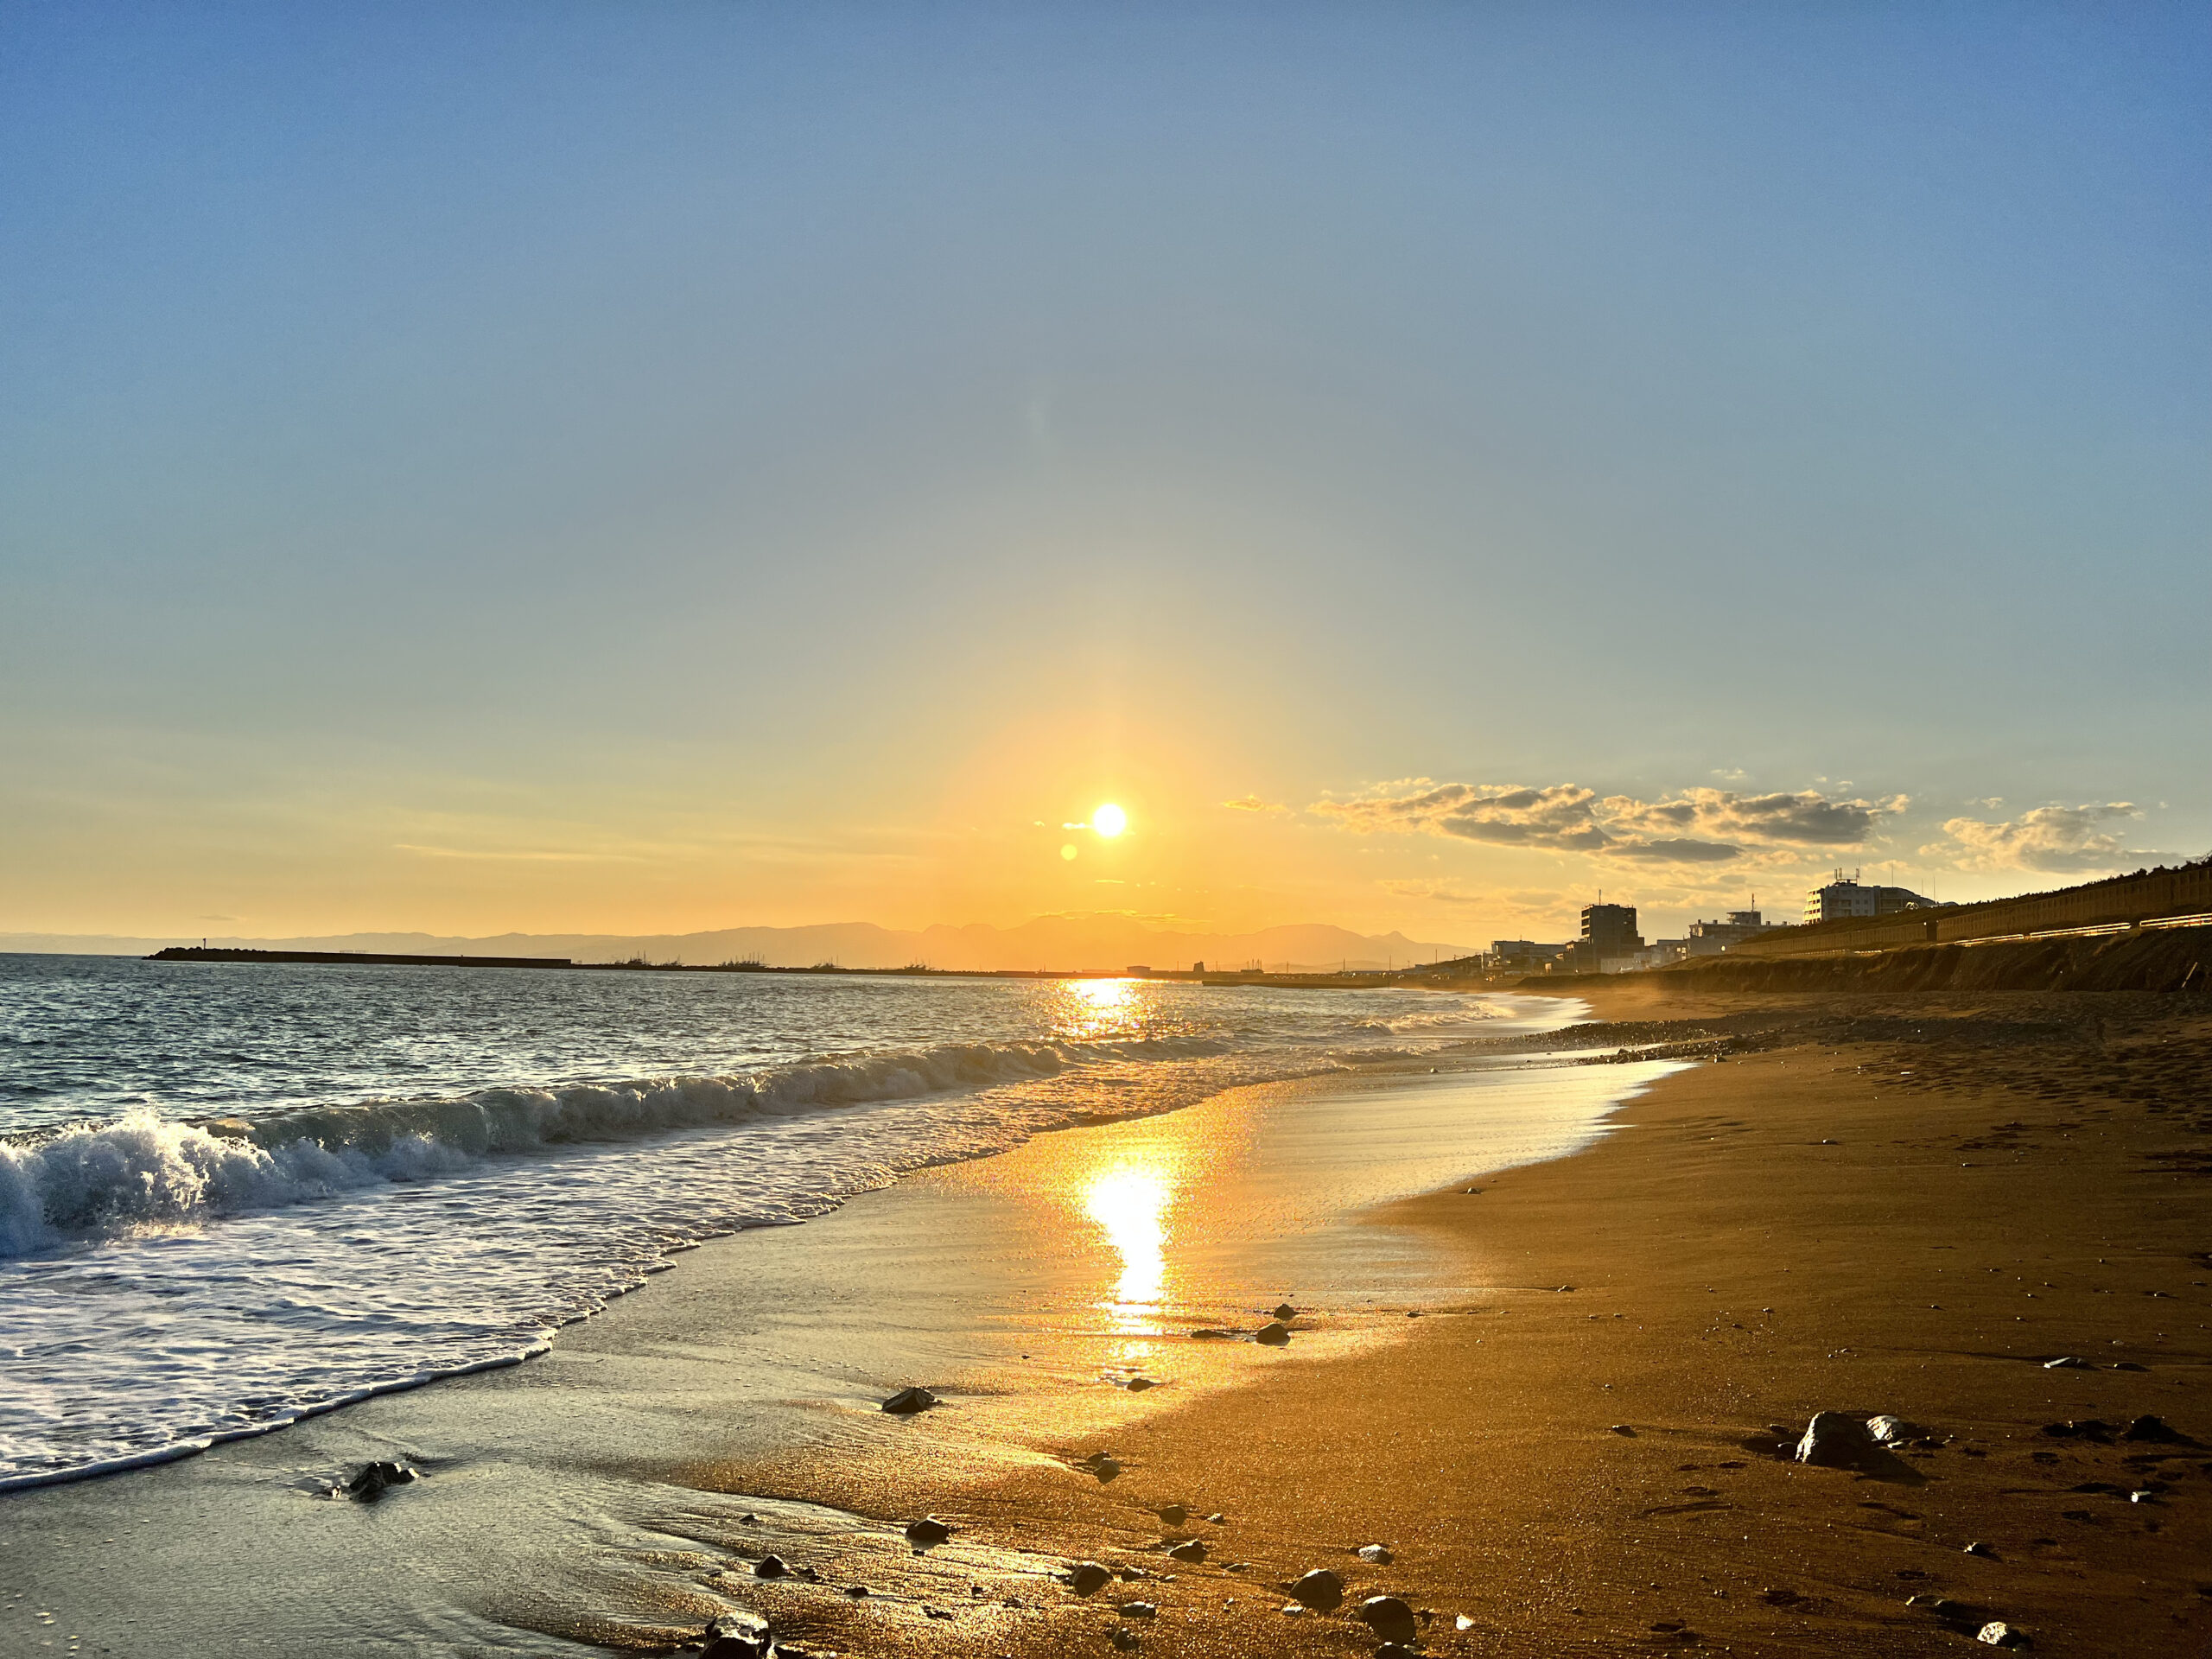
column 907, row 1402
column 2067, row 1362
column 1218, row 1519
column 1998, row 1634
column 927, row 1531
column 1139, row 1384
column 1087, row 1578
column 1320, row 1589
column 1101, row 1463
column 1285, row 1310
column 1190, row 1551
column 1622, row 1429
column 1389, row 1619
column 1173, row 1514
column 1274, row 1334
column 1122, row 1638
column 1374, row 1554
column 1138, row 1610
column 770, row 1567
column 1987, row 1551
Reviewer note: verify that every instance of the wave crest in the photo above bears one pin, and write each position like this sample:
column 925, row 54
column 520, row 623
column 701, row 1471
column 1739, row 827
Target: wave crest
column 145, row 1171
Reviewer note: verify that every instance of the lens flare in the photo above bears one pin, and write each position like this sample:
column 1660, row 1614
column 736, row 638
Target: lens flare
column 1110, row 820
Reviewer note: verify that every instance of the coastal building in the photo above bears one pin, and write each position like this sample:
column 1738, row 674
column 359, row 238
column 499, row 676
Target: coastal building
column 1844, row 896
column 1710, row 938
column 1523, row 957
column 1608, row 937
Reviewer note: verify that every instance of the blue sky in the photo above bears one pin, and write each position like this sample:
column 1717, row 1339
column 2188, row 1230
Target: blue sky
column 482, row 465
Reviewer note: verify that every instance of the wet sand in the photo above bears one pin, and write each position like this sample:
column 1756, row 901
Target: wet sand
column 1904, row 1205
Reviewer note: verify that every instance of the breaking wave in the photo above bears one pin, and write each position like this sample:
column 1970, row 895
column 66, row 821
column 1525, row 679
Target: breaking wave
column 142, row 1171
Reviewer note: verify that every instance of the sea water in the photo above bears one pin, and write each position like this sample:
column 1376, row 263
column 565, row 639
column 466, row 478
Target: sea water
column 235, row 1194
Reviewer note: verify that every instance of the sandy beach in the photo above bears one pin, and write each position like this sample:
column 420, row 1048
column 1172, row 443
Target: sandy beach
column 1561, row 1401
column 1907, row 1207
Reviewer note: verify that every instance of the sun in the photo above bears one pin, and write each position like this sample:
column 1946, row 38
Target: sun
column 1110, row 820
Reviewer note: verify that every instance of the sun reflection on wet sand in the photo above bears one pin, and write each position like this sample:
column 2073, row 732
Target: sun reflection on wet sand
column 1130, row 1202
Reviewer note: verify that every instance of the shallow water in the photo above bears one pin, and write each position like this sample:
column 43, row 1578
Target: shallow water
column 232, row 1195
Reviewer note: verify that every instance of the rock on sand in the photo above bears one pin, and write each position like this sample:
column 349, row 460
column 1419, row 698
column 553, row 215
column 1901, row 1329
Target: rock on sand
column 1389, row 1619
column 1274, row 1334
column 1321, row 1590
column 907, row 1402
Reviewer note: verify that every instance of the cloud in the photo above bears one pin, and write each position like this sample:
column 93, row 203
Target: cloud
column 1253, row 804
column 2054, row 839
column 1697, row 826
column 1680, row 850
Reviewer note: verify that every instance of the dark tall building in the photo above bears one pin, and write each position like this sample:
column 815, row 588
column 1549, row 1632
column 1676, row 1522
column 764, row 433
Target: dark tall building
column 1607, row 931
column 1610, row 930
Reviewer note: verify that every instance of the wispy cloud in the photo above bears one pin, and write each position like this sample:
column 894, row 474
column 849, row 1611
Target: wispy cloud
column 1253, row 804
column 2050, row 839
column 1697, row 826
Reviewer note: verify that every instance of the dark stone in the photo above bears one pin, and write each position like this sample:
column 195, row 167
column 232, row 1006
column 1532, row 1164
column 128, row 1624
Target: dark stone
column 1191, row 1551
column 770, row 1567
column 1321, row 1590
column 927, row 1531
column 1274, row 1334
column 1173, row 1514
column 1389, row 1619
column 1285, row 1310
column 1126, row 1640
column 370, row 1481
column 907, row 1402
column 1087, row 1578
column 1209, row 1334
column 2156, row 1430
column 1987, row 1551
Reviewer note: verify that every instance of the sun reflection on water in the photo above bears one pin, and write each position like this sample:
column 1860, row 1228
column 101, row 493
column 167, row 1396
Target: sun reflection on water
column 1093, row 1008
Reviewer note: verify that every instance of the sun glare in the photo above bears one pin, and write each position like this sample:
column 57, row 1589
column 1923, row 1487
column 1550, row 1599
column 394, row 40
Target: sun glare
column 1110, row 820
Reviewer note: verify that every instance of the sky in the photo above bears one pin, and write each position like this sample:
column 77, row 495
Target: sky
column 482, row 466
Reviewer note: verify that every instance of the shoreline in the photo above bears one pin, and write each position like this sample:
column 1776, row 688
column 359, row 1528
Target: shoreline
column 1825, row 1221
column 804, row 1365
column 1811, row 1223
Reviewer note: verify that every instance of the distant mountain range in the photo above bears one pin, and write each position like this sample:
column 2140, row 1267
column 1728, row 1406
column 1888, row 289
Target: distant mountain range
column 1047, row 942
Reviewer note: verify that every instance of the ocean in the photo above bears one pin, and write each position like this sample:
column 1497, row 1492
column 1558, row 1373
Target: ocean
column 235, row 1195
